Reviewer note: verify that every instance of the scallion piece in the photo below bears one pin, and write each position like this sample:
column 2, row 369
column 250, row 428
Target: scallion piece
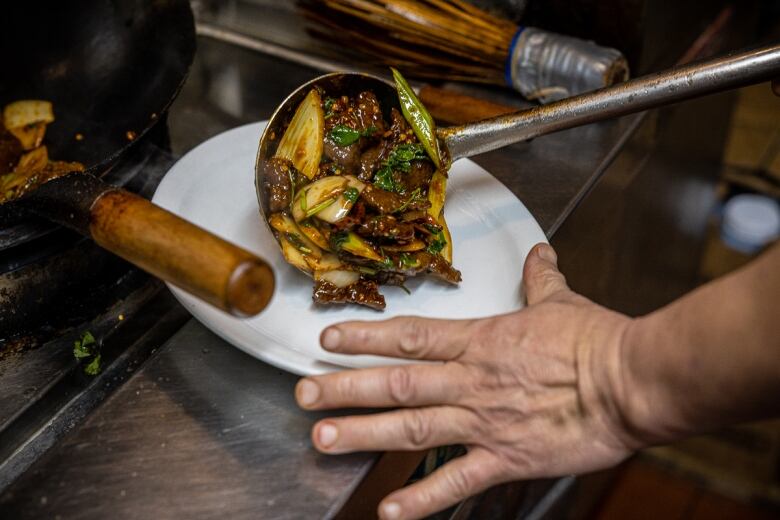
column 418, row 117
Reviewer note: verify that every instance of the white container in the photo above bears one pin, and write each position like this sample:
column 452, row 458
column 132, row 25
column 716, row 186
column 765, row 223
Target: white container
column 750, row 222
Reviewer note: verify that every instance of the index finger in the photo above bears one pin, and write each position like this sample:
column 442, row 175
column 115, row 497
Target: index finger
column 405, row 337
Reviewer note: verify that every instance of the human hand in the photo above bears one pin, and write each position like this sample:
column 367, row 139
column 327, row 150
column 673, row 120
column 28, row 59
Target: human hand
column 531, row 394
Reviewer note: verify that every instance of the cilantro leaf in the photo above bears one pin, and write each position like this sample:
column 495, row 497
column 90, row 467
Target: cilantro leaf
column 328, row 104
column 343, row 135
column 351, row 194
column 415, row 196
column 386, row 263
column 297, row 242
column 82, row 347
column 86, row 347
column 408, row 261
column 398, row 160
column 338, row 239
column 384, row 179
column 93, row 368
column 438, row 244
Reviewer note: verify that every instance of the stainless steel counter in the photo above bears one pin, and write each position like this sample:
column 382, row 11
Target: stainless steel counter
column 202, row 429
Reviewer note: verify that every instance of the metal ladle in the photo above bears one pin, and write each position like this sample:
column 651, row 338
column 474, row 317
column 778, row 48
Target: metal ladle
column 643, row 93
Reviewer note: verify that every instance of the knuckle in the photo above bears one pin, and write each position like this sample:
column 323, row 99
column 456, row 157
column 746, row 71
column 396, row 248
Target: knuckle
column 548, row 279
column 459, row 483
column 417, row 430
column 482, row 333
column 363, row 337
column 414, row 338
column 346, row 387
column 425, row 497
column 401, row 387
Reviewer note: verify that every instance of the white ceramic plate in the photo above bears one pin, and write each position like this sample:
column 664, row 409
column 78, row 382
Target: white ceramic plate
column 213, row 186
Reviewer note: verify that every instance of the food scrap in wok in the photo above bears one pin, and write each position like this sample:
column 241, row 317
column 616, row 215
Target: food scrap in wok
column 356, row 201
column 24, row 160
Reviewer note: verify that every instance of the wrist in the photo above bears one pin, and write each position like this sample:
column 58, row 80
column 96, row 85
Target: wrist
column 605, row 385
column 645, row 398
column 616, row 389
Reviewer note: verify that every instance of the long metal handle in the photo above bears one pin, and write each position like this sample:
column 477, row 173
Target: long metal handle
column 637, row 95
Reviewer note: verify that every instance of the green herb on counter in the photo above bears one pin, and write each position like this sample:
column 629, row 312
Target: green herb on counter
column 93, row 368
column 86, row 347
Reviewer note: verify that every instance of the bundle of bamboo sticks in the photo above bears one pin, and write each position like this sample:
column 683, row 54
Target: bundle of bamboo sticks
column 440, row 39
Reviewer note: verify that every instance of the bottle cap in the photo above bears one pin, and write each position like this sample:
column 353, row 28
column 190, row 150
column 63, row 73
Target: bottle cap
column 750, row 222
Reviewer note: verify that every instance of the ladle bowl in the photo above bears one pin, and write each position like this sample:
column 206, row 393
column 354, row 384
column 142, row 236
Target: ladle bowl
column 651, row 91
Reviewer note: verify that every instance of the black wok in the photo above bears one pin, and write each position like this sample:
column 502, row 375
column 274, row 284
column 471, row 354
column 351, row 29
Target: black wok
column 111, row 70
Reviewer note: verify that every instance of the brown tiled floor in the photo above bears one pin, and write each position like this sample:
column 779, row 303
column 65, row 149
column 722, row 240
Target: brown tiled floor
column 645, row 491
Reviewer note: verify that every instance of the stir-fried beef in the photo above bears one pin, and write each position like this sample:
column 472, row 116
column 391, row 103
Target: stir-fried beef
column 438, row 266
column 362, row 113
column 421, row 219
column 369, row 113
column 387, row 227
column 278, row 183
column 362, row 292
column 418, row 177
column 387, row 202
column 424, row 262
column 348, row 157
column 371, row 159
column 389, row 278
column 361, row 220
column 399, row 129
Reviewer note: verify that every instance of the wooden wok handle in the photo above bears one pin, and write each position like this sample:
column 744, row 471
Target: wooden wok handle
column 181, row 253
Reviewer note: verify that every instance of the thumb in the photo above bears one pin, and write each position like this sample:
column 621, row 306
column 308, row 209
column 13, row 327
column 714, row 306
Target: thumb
column 541, row 277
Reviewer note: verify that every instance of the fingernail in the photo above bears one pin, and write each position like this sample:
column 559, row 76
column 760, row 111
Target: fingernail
column 331, row 338
column 308, row 392
column 328, row 435
column 547, row 254
column 390, row 511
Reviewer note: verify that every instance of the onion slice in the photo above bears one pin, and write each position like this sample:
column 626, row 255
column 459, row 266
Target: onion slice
column 27, row 112
column 344, row 202
column 317, row 196
column 340, row 278
column 301, row 143
column 287, row 229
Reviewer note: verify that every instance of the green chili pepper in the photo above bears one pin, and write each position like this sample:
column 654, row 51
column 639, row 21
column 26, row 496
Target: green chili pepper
column 418, row 117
